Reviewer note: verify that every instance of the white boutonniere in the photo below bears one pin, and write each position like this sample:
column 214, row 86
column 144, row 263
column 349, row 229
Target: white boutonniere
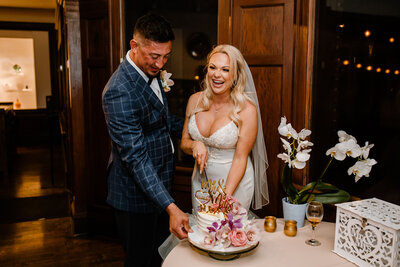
column 166, row 81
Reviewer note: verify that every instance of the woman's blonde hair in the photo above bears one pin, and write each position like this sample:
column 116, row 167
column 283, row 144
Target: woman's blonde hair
column 237, row 74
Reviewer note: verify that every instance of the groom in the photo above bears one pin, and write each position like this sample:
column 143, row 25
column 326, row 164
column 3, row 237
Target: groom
column 141, row 164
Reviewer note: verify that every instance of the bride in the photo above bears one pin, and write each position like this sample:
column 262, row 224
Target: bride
column 224, row 134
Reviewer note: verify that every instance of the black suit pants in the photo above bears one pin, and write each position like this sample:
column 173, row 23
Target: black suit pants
column 141, row 234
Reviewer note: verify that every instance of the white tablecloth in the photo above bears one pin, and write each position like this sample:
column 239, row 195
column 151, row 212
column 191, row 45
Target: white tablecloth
column 275, row 249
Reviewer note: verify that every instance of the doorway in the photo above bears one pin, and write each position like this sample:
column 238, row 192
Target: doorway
column 33, row 181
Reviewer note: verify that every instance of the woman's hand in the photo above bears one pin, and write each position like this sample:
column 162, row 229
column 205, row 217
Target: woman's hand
column 200, row 153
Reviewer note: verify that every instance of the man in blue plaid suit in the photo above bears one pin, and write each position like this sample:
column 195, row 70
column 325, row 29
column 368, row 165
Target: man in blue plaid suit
column 142, row 163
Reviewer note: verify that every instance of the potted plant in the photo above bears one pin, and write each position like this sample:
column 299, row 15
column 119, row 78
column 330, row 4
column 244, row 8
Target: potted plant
column 297, row 153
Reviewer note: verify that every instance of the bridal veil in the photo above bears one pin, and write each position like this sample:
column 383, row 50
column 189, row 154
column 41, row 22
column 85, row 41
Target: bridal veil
column 258, row 153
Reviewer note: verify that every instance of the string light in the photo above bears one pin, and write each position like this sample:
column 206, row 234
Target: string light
column 387, row 71
column 378, row 69
column 367, row 33
column 346, row 62
column 358, row 66
column 391, row 40
column 341, row 26
column 396, row 72
column 196, row 77
column 369, row 68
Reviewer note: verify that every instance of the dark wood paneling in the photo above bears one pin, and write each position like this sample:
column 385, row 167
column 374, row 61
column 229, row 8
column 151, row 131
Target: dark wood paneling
column 258, row 25
column 268, row 81
column 90, row 28
column 96, row 72
column 75, row 110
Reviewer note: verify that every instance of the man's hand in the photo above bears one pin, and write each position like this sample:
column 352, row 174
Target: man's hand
column 178, row 221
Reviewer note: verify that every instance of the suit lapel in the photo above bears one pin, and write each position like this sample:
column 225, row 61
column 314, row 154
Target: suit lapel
column 142, row 85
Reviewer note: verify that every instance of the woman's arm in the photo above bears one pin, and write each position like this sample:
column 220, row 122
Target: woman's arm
column 247, row 137
column 195, row 148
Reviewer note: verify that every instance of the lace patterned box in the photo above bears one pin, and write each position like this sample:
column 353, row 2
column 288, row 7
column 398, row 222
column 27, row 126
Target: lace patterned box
column 368, row 232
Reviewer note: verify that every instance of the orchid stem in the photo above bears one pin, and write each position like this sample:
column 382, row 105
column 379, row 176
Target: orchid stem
column 319, row 179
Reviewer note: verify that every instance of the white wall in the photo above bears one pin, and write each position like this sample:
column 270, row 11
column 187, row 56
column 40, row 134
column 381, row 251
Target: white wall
column 40, row 85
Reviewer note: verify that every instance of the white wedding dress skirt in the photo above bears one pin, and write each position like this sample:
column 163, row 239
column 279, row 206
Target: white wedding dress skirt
column 217, row 172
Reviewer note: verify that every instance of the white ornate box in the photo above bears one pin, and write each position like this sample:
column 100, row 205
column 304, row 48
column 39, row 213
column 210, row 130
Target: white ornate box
column 368, row 232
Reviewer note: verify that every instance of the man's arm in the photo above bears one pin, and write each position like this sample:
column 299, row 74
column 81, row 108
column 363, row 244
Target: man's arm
column 126, row 132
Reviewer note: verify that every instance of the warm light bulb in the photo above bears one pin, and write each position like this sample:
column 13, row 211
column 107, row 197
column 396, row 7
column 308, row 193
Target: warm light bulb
column 341, row 26
column 396, row 72
column 346, row 62
column 367, row 33
column 387, row 71
column 358, row 66
column 369, row 68
column 378, row 69
column 196, row 77
column 391, row 40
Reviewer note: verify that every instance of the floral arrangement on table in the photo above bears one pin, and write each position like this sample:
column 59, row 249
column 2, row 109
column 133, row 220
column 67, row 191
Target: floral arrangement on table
column 297, row 153
column 234, row 230
column 166, row 81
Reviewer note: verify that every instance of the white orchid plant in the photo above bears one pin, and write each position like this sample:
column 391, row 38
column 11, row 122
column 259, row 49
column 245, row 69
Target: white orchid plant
column 166, row 81
column 297, row 153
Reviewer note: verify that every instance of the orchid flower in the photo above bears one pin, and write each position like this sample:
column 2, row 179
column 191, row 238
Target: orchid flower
column 301, row 158
column 304, row 133
column 166, row 81
column 287, row 129
column 336, row 153
column 365, row 150
column 361, row 168
column 297, row 154
column 343, row 136
column 350, row 148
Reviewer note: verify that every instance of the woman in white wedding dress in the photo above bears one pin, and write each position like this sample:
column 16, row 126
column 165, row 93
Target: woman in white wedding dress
column 223, row 132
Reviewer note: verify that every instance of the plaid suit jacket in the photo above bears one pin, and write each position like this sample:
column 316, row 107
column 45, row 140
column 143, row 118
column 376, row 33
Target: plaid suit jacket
column 141, row 166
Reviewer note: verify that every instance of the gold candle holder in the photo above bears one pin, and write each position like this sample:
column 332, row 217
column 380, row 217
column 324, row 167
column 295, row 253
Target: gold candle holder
column 270, row 224
column 290, row 228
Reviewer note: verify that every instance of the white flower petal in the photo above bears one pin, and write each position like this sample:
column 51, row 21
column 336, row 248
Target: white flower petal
column 302, row 156
column 286, row 146
column 298, row 164
column 304, row 133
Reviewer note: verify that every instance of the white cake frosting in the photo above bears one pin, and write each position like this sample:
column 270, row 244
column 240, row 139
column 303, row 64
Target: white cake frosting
column 206, row 219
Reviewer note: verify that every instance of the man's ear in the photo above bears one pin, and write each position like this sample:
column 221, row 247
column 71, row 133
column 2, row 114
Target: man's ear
column 134, row 45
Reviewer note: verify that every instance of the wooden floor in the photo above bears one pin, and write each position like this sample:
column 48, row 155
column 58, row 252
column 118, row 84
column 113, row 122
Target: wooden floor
column 49, row 243
column 32, row 232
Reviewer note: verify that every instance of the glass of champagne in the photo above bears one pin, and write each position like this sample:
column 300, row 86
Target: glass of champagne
column 314, row 213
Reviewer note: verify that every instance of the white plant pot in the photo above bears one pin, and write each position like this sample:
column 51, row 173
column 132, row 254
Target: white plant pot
column 295, row 212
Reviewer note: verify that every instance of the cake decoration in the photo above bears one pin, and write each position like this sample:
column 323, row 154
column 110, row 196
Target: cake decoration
column 224, row 222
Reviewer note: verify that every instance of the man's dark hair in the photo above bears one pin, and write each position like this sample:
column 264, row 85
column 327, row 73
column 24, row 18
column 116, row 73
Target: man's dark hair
column 155, row 28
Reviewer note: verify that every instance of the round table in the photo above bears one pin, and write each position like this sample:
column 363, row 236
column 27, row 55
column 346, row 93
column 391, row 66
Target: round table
column 274, row 249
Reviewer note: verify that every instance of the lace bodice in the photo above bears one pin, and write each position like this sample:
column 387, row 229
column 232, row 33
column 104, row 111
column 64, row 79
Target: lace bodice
column 224, row 139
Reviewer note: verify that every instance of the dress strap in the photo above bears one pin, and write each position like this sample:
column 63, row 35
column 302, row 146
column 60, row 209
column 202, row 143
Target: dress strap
column 198, row 100
column 197, row 104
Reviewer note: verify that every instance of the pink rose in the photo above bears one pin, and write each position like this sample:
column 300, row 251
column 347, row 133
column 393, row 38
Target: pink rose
column 238, row 237
column 253, row 234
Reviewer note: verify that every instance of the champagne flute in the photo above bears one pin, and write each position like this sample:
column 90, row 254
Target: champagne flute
column 314, row 213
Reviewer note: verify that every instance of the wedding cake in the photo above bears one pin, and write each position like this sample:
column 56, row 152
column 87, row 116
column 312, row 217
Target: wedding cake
column 223, row 222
